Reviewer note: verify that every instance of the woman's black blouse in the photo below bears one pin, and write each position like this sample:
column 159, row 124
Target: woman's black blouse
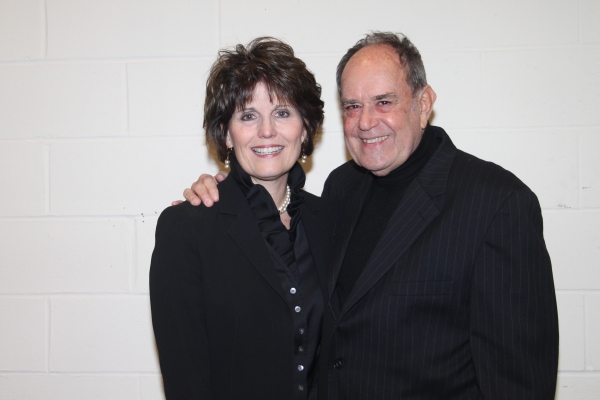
column 295, row 268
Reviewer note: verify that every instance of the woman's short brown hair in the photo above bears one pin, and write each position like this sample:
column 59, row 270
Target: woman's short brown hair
column 237, row 71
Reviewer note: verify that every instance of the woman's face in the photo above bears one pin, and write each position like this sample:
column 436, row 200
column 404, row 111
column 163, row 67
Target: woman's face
column 266, row 136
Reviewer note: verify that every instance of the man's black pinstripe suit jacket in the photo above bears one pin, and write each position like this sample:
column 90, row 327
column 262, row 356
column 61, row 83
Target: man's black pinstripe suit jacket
column 457, row 300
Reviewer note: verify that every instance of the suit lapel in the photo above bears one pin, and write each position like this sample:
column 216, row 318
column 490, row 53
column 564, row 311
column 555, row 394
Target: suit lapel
column 417, row 209
column 414, row 213
column 245, row 232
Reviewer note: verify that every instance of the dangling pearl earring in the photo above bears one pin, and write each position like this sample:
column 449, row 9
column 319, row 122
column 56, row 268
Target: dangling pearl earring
column 227, row 162
column 303, row 157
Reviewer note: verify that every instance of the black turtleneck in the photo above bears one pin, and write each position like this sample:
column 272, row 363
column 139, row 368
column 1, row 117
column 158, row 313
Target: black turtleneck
column 382, row 200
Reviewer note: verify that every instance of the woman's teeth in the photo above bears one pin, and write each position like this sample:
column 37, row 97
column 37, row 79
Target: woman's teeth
column 263, row 151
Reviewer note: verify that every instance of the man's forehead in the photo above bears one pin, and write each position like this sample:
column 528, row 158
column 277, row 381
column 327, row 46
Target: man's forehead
column 375, row 66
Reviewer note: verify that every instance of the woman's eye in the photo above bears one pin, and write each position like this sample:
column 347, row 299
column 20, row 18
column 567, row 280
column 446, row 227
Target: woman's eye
column 283, row 113
column 247, row 117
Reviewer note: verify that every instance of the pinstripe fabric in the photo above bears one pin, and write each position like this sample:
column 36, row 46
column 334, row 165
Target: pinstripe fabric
column 457, row 300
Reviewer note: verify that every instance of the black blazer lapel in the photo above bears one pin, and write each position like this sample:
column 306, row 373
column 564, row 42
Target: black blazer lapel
column 245, row 232
column 347, row 219
column 417, row 209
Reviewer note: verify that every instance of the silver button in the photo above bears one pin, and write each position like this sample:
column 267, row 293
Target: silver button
column 297, row 309
column 300, row 349
column 293, row 290
column 301, row 330
column 300, row 387
column 300, row 367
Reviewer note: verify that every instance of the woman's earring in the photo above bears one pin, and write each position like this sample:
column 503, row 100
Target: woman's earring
column 303, row 157
column 227, row 162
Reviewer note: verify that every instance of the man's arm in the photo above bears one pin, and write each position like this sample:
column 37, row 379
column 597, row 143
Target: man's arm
column 204, row 190
column 514, row 322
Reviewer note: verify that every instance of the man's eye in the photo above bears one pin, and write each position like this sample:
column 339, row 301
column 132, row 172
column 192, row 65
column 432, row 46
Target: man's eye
column 384, row 103
column 351, row 107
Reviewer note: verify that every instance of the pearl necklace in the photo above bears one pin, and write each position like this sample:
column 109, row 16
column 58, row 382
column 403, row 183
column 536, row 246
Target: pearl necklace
column 286, row 202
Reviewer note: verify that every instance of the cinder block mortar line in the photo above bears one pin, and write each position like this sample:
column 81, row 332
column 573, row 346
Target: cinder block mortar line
column 134, row 258
column 79, row 218
column 81, row 373
column 198, row 136
column 579, row 170
column 126, row 99
column 66, row 295
column 218, row 10
column 586, row 366
column 45, row 31
column 579, row 21
column 48, row 330
column 571, row 210
column 338, row 54
column 580, row 373
column 481, row 86
column 108, row 60
column 47, row 163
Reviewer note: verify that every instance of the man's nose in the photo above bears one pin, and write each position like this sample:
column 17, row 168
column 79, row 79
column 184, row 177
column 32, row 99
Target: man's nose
column 367, row 119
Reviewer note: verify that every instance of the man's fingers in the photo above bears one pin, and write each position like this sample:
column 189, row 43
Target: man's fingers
column 205, row 188
column 220, row 177
column 191, row 196
column 176, row 202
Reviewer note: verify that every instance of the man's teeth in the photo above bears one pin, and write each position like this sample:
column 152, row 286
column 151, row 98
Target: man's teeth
column 267, row 150
column 375, row 140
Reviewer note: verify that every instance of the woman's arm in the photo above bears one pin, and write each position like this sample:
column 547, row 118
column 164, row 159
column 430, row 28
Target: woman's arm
column 177, row 308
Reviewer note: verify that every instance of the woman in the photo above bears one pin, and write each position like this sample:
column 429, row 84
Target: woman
column 238, row 290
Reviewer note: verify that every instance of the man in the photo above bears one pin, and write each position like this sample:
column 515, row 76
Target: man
column 441, row 285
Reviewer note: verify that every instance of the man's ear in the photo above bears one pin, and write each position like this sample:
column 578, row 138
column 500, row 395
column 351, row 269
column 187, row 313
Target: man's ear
column 426, row 101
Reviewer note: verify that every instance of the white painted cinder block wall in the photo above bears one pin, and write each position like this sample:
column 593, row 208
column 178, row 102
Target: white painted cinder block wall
column 100, row 128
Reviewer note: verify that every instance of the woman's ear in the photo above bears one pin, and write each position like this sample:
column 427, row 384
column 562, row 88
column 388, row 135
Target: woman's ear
column 228, row 141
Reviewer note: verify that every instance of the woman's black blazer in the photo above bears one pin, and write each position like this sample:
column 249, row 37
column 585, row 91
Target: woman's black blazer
column 221, row 322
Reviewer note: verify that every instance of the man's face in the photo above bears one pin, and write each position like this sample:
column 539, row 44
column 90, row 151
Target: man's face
column 383, row 122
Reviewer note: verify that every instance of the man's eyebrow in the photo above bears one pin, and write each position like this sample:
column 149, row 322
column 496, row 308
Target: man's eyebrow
column 345, row 102
column 385, row 96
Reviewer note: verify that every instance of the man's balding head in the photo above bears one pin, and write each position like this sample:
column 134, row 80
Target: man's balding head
column 408, row 55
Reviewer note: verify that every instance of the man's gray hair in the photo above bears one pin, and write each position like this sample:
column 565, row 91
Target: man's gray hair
column 408, row 54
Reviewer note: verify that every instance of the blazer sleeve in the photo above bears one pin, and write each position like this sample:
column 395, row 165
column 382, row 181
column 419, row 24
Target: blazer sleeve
column 514, row 322
column 177, row 308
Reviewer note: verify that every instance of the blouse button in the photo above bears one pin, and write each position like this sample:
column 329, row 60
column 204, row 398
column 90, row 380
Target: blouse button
column 293, row 290
column 297, row 309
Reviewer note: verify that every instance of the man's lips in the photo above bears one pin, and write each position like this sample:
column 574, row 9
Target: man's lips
column 375, row 140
